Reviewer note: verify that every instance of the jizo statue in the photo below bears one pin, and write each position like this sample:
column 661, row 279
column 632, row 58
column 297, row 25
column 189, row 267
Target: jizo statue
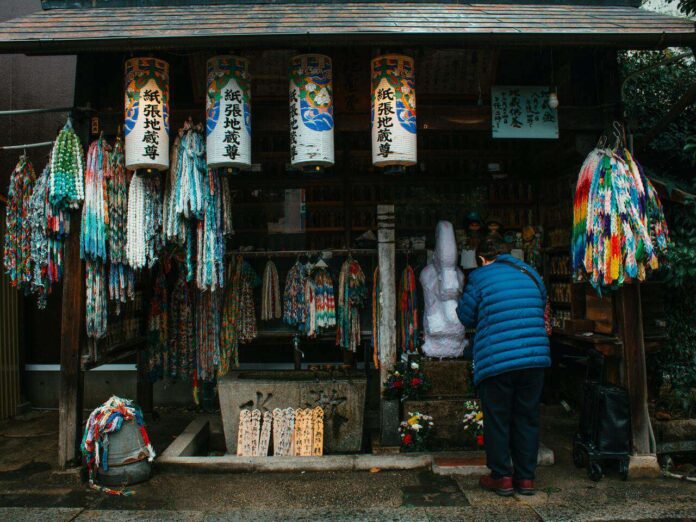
column 443, row 283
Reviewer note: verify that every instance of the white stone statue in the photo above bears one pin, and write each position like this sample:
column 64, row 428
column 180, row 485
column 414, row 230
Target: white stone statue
column 443, row 283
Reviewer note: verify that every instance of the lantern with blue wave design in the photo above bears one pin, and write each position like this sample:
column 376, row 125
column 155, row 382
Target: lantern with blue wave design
column 393, row 111
column 311, row 111
column 147, row 114
column 228, row 113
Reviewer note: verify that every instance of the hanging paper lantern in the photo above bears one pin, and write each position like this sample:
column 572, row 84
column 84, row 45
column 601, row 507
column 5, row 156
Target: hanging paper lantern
column 228, row 107
column 311, row 111
column 393, row 111
column 147, row 114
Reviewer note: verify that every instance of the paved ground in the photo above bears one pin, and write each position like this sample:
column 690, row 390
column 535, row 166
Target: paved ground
column 32, row 489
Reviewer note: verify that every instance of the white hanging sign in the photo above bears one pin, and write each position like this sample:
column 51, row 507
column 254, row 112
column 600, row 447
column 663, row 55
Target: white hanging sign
column 523, row 112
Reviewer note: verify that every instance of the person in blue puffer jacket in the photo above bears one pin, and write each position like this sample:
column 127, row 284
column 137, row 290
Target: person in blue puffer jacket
column 505, row 301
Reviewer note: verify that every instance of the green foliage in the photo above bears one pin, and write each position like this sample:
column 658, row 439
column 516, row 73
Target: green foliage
column 676, row 362
column 649, row 95
column 688, row 7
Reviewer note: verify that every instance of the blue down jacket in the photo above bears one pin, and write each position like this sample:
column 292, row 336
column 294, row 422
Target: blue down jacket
column 507, row 310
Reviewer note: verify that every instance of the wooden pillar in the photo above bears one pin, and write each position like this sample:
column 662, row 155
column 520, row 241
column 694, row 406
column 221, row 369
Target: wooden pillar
column 71, row 377
column 72, row 313
column 631, row 329
column 389, row 411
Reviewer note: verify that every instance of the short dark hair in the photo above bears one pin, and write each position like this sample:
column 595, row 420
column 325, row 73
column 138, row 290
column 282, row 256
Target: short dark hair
column 491, row 247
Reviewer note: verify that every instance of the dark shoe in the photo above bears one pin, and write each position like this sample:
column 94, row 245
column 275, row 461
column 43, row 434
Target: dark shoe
column 502, row 486
column 525, row 487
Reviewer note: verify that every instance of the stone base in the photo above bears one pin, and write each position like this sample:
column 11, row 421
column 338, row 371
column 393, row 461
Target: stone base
column 448, row 378
column 643, row 466
column 447, row 416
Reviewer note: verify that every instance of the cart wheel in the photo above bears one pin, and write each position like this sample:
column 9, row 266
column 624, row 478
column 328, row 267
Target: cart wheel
column 623, row 469
column 579, row 457
column 666, row 462
column 594, row 471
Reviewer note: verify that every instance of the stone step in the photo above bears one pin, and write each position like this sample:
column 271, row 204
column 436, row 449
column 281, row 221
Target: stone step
column 474, row 462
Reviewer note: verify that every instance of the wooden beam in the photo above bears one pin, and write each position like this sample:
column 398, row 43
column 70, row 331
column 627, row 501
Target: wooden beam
column 631, row 330
column 71, row 377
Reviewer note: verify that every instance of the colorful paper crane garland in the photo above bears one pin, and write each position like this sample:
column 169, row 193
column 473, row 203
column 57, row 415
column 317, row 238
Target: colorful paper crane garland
column 270, row 293
column 352, row 294
column 408, row 311
column 67, row 170
column 619, row 229
column 320, row 301
column 17, row 256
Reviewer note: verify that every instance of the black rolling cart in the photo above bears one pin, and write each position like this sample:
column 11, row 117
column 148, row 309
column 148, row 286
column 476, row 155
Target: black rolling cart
column 605, row 423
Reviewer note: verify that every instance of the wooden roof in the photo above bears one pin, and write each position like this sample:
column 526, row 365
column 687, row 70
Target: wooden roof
column 198, row 26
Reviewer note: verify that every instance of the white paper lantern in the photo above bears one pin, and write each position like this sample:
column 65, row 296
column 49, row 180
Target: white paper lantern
column 393, row 111
column 147, row 114
column 228, row 110
column 311, row 111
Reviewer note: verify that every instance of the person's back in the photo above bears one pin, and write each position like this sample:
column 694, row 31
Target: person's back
column 505, row 301
column 506, row 307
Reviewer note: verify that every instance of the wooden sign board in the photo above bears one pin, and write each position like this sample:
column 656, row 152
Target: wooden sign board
column 522, row 112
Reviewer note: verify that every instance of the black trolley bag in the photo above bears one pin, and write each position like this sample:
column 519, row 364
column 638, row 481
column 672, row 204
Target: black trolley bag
column 605, row 423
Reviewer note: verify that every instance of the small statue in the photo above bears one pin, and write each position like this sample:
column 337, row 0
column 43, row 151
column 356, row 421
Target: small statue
column 443, row 283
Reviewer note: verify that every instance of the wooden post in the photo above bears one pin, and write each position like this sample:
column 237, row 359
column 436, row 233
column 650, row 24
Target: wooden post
column 389, row 414
column 71, row 377
column 631, row 328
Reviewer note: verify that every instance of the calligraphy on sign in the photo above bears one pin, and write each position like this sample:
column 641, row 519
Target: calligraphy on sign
column 393, row 111
column 228, row 118
column 147, row 114
column 523, row 112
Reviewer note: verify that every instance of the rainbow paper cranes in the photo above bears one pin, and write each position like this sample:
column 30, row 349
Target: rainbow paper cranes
column 619, row 228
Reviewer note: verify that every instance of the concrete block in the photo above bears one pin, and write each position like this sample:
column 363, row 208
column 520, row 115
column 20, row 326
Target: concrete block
column 643, row 466
column 342, row 396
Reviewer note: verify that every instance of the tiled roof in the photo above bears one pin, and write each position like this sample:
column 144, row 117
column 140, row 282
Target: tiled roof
column 71, row 30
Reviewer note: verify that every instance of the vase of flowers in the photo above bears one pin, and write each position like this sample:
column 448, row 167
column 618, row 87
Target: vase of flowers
column 473, row 422
column 406, row 381
column 415, row 431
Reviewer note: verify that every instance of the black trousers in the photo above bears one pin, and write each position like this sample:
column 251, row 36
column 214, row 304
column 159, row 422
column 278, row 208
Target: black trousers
column 510, row 405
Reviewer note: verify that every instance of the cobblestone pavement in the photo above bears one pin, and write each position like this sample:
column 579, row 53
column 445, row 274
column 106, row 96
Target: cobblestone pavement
column 32, row 489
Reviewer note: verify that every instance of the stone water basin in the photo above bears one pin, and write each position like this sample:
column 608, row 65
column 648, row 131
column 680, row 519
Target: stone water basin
column 340, row 393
